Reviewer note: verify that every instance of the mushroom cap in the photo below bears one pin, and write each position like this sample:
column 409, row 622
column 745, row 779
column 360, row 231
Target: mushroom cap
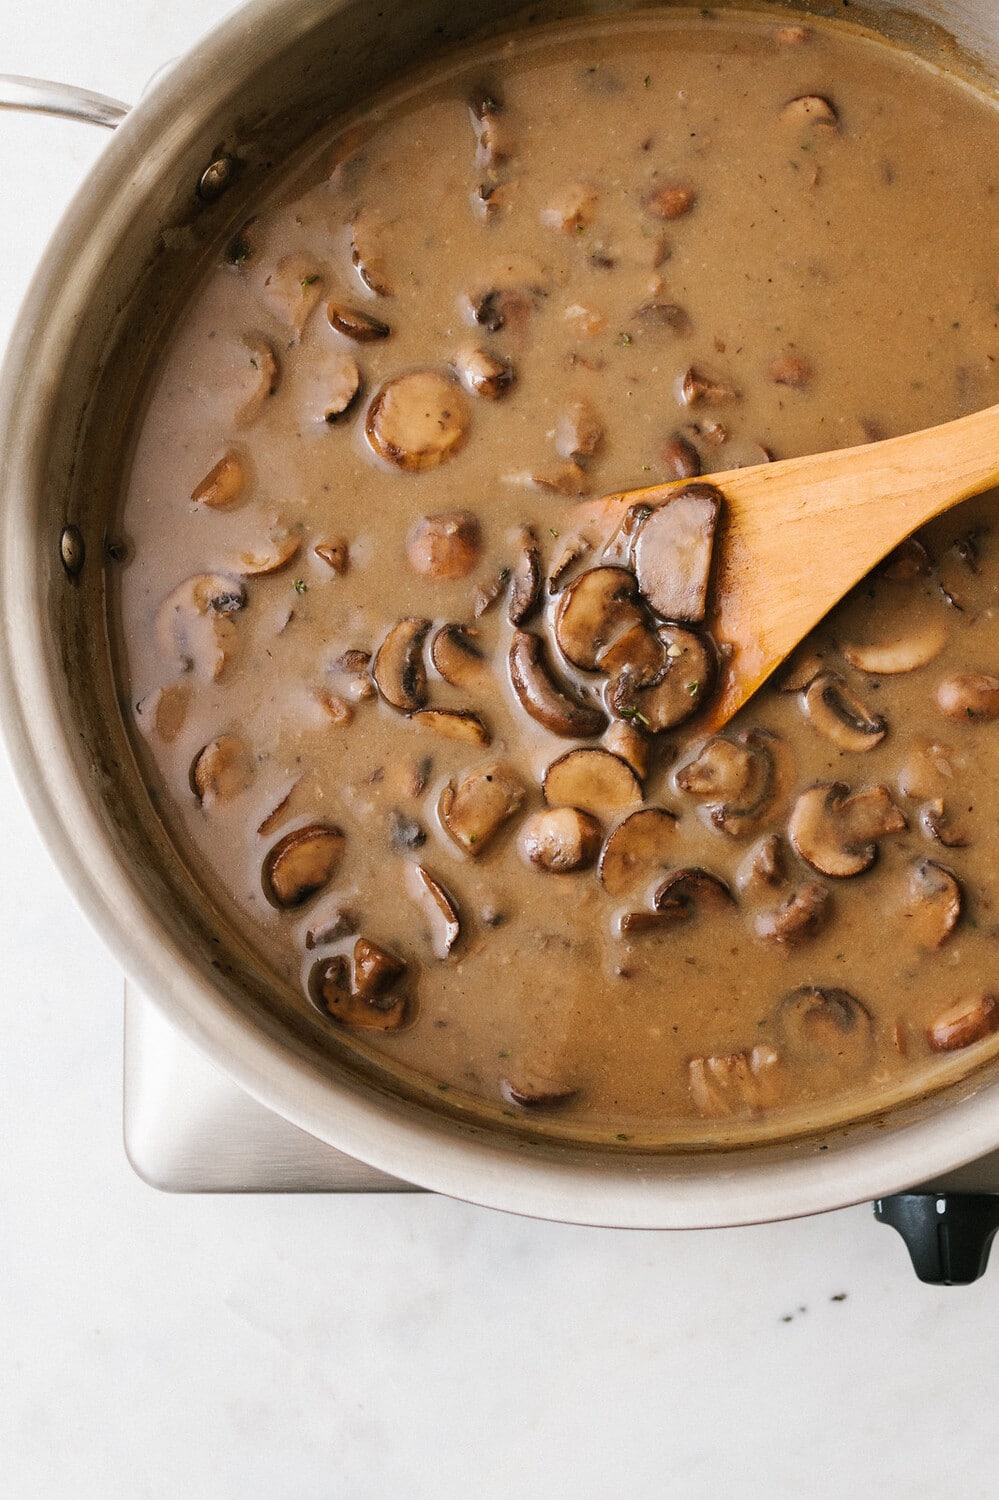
column 592, row 780
column 546, row 701
column 836, row 832
column 638, row 851
column 839, row 715
column 594, row 612
column 561, row 839
column 672, row 552
column 473, row 811
column 445, row 546
column 827, row 1025
column 416, row 421
column 398, row 670
column 302, row 863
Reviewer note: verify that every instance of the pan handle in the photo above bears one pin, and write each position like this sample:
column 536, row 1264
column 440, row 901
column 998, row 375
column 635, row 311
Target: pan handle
column 60, row 99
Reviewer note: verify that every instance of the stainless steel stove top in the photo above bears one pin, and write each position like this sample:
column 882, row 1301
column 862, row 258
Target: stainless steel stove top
column 190, row 1129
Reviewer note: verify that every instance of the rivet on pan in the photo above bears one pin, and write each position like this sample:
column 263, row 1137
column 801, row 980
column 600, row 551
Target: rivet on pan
column 216, row 178
column 71, row 550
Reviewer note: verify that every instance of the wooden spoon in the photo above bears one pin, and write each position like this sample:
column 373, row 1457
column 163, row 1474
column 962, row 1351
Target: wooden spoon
column 797, row 535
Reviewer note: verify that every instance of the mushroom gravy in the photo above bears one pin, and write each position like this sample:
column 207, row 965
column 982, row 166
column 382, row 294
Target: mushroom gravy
column 435, row 746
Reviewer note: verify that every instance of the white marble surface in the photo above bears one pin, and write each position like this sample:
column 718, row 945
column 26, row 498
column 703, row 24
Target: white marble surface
column 262, row 1348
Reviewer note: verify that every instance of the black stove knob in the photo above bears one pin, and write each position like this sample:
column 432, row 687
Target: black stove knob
column 948, row 1235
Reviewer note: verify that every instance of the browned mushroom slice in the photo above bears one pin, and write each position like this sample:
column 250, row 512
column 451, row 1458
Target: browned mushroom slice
column 637, row 852
column 725, row 772
column 335, row 553
column 968, row 696
column 223, row 485
column 474, row 811
column 259, row 379
column 839, row 715
column 810, row 109
column 593, row 781
column 801, row 916
column 579, row 431
column 680, row 458
column 672, row 552
column 331, row 991
column 935, row 822
column 367, row 251
column 416, row 421
column 221, row 770
column 536, row 1092
column 963, row 1023
column 459, row 724
column 634, row 923
column 664, row 315
column 483, row 373
column 398, row 669
column 934, row 905
column 929, row 769
column 193, row 624
column 375, row 970
column 905, row 652
column 826, row 1025
column 547, row 702
column 739, row 1083
column 301, row 863
column 356, row 324
column 525, row 584
column 491, row 145
column 572, row 549
column 338, row 710
column 699, row 389
column 442, row 912
column 630, row 743
column 803, row 666
column 791, row 370
column 500, row 307
column 571, row 209
column 837, row 833
column 341, row 388
column 561, row 840
column 564, row 479
column 679, row 693
column 458, row 659
column 275, row 552
column 491, row 198
column 764, row 866
column 685, row 891
column 292, row 290
column 909, row 560
column 164, row 712
column 594, row 612
column 671, row 200
column 445, row 546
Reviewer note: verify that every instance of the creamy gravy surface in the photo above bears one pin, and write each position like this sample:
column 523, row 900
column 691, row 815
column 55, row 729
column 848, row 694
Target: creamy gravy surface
column 648, row 248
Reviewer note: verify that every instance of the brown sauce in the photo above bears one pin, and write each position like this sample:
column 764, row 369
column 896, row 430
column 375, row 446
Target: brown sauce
column 653, row 246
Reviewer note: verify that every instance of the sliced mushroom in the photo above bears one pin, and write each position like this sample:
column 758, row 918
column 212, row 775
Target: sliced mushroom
column 398, row 669
column 826, row 1025
column 764, row 866
column 490, row 198
column 909, row 560
column 626, row 740
column 491, row 145
column 664, row 315
column 563, row 479
column 837, row 833
column 968, row 696
column 840, row 716
column 367, row 251
column 572, row 549
column 458, row 659
column 292, row 290
column 594, row 781
column 223, row 485
column 790, row 369
column 301, row 863
column 578, row 431
column 963, row 1023
column 375, row 970
column 905, row 653
column 473, row 812
column 440, row 907
column 483, row 373
column 928, row 769
column 500, row 307
column 193, row 624
column 276, row 552
column 572, row 209
column 698, row 389
column 810, row 109
column 803, row 666
column 341, row 388
column 331, row 991
column 680, row 458
column 685, row 891
column 277, row 812
column 594, row 612
column 221, row 770
column 355, row 324
column 338, row 710
column 418, row 420
column 680, row 692
column 446, row 546
column 547, row 702
column 164, row 711
column 934, row 905
column 329, row 925
column 260, row 378
column 740, row 1083
column 638, row 852
column 525, row 585
column 670, row 201
column 535, row 1092
column 459, row 724
column 725, row 772
column 335, row 553
column 801, row 916
column 672, row 552
column 935, row 822
column 561, row 840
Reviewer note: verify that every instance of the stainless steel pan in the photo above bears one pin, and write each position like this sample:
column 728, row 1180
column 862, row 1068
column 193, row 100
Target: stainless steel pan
column 179, row 168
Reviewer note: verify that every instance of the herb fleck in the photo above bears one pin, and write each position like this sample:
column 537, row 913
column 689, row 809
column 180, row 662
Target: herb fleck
column 553, row 532
column 624, row 338
column 693, row 688
column 300, row 586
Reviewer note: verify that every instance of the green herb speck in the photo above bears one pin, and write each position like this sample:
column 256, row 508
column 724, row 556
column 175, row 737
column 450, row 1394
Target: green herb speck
column 693, row 688
column 553, row 532
column 300, row 586
column 646, row 80
column 624, row 338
